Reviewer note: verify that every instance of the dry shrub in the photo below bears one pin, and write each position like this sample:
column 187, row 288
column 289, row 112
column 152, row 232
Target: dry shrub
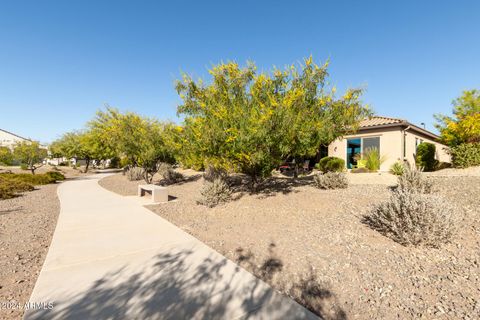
column 412, row 218
column 331, row 180
column 212, row 173
column 169, row 175
column 215, row 193
column 134, row 174
column 412, row 180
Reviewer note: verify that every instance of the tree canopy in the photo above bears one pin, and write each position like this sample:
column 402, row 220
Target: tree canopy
column 249, row 122
column 464, row 124
column 30, row 153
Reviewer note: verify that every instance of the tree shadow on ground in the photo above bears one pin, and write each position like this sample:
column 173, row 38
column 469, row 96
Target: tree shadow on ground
column 8, row 211
column 269, row 187
column 176, row 285
column 307, row 290
column 186, row 179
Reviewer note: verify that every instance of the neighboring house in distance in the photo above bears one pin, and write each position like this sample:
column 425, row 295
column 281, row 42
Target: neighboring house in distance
column 396, row 139
column 8, row 139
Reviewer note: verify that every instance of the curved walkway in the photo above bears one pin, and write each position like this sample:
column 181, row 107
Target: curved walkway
column 111, row 258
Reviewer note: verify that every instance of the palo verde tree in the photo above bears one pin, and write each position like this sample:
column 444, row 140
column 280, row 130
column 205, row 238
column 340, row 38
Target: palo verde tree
column 249, row 122
column 140, row 139
column 29, row 153
column 464, row 125
column 80, row 145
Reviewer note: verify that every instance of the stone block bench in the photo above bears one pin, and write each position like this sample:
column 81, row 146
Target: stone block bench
column 159, row 194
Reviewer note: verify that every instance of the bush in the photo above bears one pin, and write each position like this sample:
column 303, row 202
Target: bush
column 331, row 180
column 9, row 186
column 215, row 192
column 425, row 157
column 169, row 175
column 134, row 174
column 411, row 218
column 331, row 164
column 413, row 181
column 55, row 175
column 397, row 168
column 466, row 155
column 372, row 158
column 6, row 156
column 23, row 166
column 34, row 179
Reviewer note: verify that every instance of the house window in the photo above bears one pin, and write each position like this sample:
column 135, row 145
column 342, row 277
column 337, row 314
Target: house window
column 357, row 146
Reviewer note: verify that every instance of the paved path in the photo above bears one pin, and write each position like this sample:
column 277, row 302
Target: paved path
column 111, row 258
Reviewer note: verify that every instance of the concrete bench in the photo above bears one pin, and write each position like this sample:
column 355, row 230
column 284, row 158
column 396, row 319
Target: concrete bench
column 159, row 194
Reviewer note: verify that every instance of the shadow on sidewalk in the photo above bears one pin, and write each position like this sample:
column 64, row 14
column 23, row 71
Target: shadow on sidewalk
column 175, row 286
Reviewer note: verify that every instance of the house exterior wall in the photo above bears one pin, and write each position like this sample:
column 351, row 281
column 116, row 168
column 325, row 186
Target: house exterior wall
column 411, row 140
column 391, row 147
column 8, row 140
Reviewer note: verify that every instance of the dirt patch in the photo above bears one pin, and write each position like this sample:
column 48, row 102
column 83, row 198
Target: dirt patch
column 27, row 224
column 311, row 244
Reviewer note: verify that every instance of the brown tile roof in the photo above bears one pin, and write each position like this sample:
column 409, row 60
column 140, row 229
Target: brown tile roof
column 379, row 121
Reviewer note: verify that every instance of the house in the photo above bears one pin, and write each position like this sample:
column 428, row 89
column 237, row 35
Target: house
column 396, row 140
column 8, row 139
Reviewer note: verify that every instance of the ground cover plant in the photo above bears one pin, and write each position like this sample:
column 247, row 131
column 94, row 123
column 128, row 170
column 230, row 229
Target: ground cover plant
column 11, row 184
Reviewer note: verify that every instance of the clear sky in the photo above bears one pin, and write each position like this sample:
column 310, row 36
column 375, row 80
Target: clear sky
column 61, row 61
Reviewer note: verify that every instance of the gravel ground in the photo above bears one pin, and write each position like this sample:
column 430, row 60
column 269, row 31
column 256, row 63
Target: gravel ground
column 311, row 245
column 27, row 223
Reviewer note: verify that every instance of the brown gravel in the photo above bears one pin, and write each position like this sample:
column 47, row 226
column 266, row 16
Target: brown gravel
column 27, row 223
column 311, row 244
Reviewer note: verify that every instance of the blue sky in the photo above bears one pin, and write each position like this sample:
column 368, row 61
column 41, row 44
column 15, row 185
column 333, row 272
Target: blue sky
column 61, row 61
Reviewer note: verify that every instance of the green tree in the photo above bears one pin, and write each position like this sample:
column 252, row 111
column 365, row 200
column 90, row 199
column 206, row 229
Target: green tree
column 6, row 156
column 140, row 139
column 30, row 153
column 464, row 125
column 81, row 145
column 249, row 122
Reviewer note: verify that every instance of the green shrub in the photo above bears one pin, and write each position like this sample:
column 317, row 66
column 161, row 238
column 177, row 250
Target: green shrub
column 411, row 218
column 331, row 180
column 9, row 186
column 372, row 158
column 34, row 179
column 329, row 164
column 215, row 193
column 443, row 165
column 425, row 157
column 23, row 166
column 55, row 175
column 397, row 168
column 466, row 155
column 412, row 180
column 6, row 156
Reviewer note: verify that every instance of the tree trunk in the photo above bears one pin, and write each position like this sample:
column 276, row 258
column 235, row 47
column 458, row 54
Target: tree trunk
column 87, row 161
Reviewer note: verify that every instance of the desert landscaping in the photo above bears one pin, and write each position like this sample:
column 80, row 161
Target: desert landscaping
column 298, row 234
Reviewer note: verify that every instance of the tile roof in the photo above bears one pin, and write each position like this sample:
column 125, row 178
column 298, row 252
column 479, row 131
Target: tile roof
column 379, row 121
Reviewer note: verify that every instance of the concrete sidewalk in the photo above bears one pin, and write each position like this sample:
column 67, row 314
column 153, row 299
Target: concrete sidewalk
column 111, row 258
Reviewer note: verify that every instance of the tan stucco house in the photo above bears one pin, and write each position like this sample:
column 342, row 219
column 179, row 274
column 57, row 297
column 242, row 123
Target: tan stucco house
column 396, row 139
column 8, row 139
